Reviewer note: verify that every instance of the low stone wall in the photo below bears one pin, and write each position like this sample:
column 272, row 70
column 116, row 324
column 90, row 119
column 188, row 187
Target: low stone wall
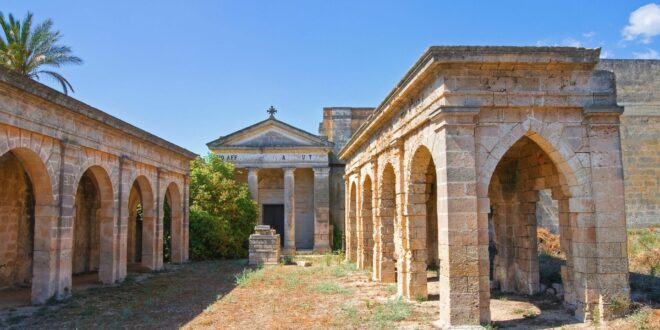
column 264, row 246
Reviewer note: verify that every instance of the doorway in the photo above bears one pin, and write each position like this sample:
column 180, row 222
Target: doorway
column 273, row 216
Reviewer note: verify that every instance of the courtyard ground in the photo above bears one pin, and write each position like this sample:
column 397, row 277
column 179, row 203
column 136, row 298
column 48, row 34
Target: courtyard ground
column 231, row 295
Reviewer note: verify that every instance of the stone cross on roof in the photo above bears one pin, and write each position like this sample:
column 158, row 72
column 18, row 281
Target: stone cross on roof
column 272, row 111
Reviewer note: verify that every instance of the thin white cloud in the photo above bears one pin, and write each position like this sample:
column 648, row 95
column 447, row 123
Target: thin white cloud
column 589, row 35
column 571, row 42
column 650, row 54
column 604, row 53
column 644, row 22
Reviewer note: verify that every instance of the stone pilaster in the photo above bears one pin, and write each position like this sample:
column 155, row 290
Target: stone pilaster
column 377, row 226
column 321, row 209
column 289, row 213
column 462, row 230
column 610, row 218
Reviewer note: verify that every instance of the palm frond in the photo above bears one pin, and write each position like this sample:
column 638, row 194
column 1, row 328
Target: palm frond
column 26, row 48
column 59, row 78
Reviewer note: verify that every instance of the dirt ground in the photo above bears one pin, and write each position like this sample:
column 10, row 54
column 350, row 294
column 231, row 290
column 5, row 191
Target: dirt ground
column 231, row 295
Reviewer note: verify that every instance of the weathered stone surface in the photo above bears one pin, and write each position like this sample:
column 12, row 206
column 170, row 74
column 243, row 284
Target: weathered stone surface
column 82, row 164
column 264, row 246
column 472, row 129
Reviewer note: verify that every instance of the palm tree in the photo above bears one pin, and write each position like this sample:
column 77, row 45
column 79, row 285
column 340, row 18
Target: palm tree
column 26, row 50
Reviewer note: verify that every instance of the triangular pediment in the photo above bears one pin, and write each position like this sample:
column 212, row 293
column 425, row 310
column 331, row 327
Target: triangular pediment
column 269, row 133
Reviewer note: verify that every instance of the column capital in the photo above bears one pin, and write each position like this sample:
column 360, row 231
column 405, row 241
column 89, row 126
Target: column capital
column 288, row 170
column 454, row 115
column 321, row 170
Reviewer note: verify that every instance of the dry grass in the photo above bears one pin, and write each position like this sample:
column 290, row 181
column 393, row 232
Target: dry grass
column 231, row 295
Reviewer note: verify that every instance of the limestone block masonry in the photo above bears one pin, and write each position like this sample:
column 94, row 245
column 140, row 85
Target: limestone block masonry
column 75, row 169
column 264, row 246
column 472, row 133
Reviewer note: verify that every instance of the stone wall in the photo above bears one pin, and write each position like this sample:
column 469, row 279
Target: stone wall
column 338, row 125
column 58, row 141
column 638, row 86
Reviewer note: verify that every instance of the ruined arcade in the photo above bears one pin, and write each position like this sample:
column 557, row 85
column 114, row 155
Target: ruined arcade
column 72, row 180
column 454, row 158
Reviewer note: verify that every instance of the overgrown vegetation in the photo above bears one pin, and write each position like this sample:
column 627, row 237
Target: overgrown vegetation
column 392, row 310
column 222, row 213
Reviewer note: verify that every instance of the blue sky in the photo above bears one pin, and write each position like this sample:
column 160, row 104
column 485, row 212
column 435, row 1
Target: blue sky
column 190, row 71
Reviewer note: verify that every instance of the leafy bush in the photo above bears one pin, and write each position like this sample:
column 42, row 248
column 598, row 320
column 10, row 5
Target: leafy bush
column 222, row 213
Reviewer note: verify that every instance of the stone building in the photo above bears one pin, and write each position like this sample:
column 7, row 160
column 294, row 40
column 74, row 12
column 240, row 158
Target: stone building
column 72, row 179
column 474, row 133
column 637, row 87
column 287, row 171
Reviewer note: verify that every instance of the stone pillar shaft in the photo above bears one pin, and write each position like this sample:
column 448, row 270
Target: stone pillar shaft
column 322, row 209
column 462, row 230
column 289, row 213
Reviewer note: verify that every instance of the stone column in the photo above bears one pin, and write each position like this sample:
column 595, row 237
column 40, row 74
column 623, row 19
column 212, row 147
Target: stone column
column 289, row 213
column 462, row 230
column 610, row 217
column 321, row 209
column 253, row 186
column 253, row 182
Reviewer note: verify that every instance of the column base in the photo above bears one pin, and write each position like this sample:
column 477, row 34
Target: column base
column 440, row 324
column 322, row 249
column 288, row 251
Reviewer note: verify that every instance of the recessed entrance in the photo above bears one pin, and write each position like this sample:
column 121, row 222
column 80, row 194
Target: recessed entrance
column 273, row 216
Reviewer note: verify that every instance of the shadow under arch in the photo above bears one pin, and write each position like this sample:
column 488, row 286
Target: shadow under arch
column 528, row 165
column 96, row 227
column 365, row 225
column 142, row 239
column 174, row 230
column 420, row 216
column 41, row 215
column 351, row 225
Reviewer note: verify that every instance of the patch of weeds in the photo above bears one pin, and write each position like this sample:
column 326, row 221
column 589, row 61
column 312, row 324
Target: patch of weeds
column 596, row 315
column 286, row 260
column 390, row 288
column 206, row 323
column 352, row 315
column 16, row 319
column 292, row 281
column 421, row 298
column 147, row 321
column 529, row 314
column 618, row 305
column 392, row 310
column 640, row 319
column 330, row 288
column 491, row 326
column 248, row 275
column 125, row 313
column 338, row 271
column 327, row 260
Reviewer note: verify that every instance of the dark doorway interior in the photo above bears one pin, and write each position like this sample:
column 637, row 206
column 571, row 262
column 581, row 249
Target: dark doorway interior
column 274, row 217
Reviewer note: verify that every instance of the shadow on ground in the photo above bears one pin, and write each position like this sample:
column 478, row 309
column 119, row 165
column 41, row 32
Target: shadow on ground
column 165, row 300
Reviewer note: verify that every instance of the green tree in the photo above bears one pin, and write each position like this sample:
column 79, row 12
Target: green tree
column 222, row 213
column 28, row 50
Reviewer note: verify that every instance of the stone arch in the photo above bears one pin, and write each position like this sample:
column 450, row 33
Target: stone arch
column 386, row 212
column 174, row 198
column 548, row 138
column 365, row 224
column 420, row 231
column 95, row 229
column 351, row 224
column 29, row 197
column 532, row 164
column 141, row 241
